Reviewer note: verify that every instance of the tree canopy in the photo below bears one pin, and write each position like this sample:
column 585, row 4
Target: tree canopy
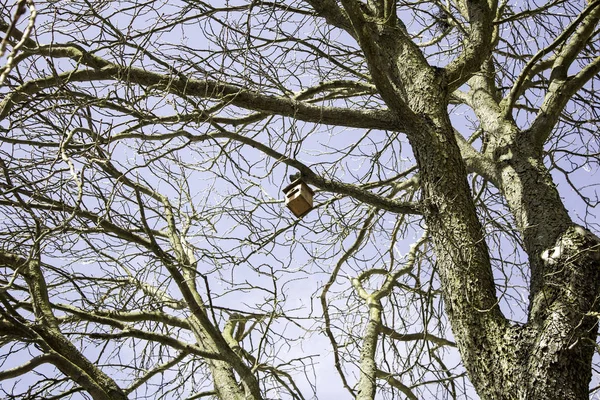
column 146, row 250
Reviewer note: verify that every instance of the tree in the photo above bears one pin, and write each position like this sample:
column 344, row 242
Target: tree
column 146, row 251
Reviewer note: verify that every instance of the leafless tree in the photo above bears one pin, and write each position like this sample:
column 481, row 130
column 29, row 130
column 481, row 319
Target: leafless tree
column 146, row 250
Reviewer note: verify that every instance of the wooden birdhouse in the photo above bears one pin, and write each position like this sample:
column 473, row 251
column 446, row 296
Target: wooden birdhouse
column 299, row 197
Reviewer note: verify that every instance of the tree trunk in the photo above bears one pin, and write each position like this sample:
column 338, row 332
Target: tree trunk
column 550, row 356
column 557, row 343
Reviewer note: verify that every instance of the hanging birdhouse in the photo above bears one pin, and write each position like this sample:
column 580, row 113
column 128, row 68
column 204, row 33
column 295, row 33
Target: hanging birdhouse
column 299, row 197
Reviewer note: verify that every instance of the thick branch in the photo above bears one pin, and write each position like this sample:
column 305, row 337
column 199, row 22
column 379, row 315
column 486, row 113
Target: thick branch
column 517, row 87
column 27, row 367
column 232, row 94
column 559, row 94
column 333, row 15
column 477, row 46
column 63, row 353
column 407, row 337
column 308, row 174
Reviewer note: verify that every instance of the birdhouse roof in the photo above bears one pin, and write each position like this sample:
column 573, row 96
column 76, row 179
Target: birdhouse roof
column 295, row 183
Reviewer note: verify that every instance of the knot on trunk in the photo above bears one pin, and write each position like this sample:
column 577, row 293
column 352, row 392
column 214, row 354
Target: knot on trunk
column 575, row 245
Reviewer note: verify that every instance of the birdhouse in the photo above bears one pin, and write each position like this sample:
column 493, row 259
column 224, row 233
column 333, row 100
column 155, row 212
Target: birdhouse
column 298, row 197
